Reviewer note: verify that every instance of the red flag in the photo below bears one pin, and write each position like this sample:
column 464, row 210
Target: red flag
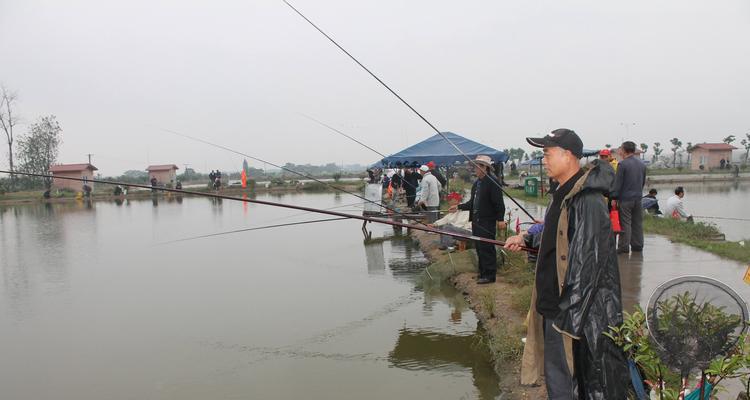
column 244, row 178
column 518, row 225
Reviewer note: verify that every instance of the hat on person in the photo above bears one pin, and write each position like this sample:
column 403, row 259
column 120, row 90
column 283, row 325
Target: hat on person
column 563, row 138
column 483, row 160
column 431, row 165
column 424, row 168
column 414, row 164
column 605, row 152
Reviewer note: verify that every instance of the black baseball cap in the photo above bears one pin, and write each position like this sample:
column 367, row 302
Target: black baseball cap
column 563, row 138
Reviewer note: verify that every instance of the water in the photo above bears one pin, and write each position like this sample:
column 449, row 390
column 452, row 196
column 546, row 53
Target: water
column 714, row 199
column 91, row 309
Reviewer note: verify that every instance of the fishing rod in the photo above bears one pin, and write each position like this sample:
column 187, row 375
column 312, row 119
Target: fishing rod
column 274, row 204
column 355, row 140
column 257, row 228
column 727, row 218
column 406, row 104
column 280, row 167
column 377, row 152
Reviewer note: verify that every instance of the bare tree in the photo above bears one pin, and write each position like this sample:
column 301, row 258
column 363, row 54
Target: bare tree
column 7, row 119
column 38, row 149
column 676, row 146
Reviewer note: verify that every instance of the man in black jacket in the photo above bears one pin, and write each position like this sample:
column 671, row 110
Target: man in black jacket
column 576, row 297
column 486, row 212
column 410, row 183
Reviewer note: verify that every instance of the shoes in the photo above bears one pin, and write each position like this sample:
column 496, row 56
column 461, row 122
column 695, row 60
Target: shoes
column 637, row 250
column 451, row 249
column 623, row 251
column 484, row 281
column 442, row 247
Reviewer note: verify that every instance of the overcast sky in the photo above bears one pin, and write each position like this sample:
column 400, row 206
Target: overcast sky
column 239, row 73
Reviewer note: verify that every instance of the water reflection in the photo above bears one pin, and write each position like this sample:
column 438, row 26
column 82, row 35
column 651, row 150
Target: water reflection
column 375, row 256
column 631, row 271
column 38, row 244
column 435, row 351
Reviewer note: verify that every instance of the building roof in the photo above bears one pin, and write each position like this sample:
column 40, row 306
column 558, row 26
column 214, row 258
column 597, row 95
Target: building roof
column 72, row 167
column 163, row 167
column 714, row 146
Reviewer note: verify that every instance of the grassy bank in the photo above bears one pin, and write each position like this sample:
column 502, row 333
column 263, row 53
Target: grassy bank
column 699, row 235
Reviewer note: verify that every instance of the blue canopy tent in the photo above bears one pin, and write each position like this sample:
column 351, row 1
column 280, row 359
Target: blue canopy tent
column 438, row 150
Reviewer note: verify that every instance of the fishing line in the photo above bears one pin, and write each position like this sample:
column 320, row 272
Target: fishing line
column 355, row 140
column 405, row 103
column 257, row 228
column 727, row 218
column 275, row 204
column 278, row 166
column 377, row 152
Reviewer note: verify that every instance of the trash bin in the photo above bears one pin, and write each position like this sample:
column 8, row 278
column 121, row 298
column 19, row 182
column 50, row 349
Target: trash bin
column 531, row 186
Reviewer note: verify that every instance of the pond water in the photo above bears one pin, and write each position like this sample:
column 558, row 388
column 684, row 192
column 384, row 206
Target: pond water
column 714, row 199
column 93, row 308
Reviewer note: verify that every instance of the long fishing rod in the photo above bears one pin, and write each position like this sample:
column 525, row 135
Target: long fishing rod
column 727, row 218
column 257, row 228
column 355, row 140
column 281, row 167
column 377, row 152
column 406, row 104
column 275, row 204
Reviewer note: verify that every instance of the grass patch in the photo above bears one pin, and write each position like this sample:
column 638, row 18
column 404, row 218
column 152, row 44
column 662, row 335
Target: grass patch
column 487, row 301
column 521, row 194
column 516, row 270
column 504, row 344
column 699, row 235
column 521, row 299
column 675, row 228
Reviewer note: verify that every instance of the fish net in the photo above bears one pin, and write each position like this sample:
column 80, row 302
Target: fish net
column 694, row 319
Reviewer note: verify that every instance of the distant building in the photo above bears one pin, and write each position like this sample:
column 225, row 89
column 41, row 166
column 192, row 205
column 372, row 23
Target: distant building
column 709, row 155
column 165, row 174
column 82, row 171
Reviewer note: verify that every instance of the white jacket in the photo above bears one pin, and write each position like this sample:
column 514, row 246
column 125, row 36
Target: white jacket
column 675, row 208
column 430, row 193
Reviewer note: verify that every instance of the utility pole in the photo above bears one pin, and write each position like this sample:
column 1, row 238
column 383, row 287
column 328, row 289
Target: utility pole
column 627, row 126
column 89, row 154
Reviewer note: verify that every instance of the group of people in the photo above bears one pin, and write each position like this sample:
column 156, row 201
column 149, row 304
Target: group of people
column 215, row 179
column 420, row 184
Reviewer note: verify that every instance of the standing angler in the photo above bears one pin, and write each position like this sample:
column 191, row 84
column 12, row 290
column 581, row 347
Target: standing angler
column 626, row 195
column 577, row 292
column 486, row 211
column 429, row 197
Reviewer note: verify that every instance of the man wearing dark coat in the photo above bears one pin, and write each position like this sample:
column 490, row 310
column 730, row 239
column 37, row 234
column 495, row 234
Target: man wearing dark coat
column 410, row 184
column 486, row 212
column 576, row 297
